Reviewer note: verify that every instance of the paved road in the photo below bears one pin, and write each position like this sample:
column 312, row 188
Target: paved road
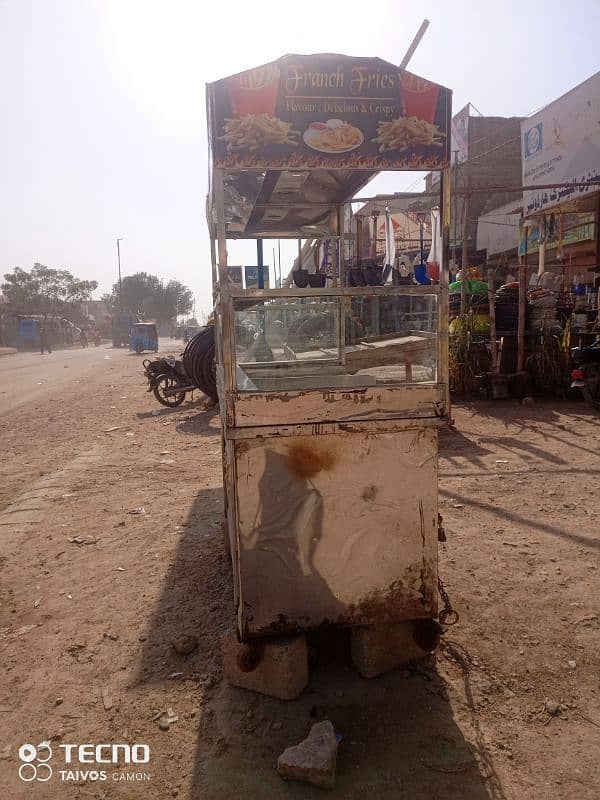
column 30, row 376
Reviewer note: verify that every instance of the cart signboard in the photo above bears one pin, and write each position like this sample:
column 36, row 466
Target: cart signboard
column 329, row 111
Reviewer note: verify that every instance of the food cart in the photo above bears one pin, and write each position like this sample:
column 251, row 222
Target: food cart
column 331, row 394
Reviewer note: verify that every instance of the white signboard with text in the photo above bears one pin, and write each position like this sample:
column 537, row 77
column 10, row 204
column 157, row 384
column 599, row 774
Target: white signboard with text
column 561, row 145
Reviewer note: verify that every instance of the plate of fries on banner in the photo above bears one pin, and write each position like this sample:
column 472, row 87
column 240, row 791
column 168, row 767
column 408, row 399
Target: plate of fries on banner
column 333, row 136
column 407, row 132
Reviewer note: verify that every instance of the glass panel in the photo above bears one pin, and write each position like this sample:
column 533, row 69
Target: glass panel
column 299, row 343
column 392, row 339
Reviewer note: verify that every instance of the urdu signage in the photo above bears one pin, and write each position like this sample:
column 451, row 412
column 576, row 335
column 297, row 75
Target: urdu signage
column 561, row 145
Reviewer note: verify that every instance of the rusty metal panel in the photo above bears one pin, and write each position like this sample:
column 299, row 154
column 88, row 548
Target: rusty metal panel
column 283, row 408
column 331, row 428
column 336, row 528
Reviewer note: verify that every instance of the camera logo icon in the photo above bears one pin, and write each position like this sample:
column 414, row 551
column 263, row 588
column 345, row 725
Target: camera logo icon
column 35, row 765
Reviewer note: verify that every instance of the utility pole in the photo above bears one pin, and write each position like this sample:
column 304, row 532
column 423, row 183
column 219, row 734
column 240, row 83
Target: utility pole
column 279, row 259
column 120, row 283
column 465, row 251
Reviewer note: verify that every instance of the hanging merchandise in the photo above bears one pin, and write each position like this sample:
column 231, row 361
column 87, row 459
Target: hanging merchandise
column 434, row 257
column 559, row 248
column 390, row 247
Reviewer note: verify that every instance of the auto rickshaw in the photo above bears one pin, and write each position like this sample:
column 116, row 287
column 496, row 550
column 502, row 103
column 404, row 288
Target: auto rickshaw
column 189, row 332
column 143, row 336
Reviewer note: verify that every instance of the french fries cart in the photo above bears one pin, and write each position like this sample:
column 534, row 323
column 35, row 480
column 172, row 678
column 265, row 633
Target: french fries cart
column 331, row 394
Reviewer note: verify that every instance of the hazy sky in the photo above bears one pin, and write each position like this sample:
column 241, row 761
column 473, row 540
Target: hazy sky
column 102, row 132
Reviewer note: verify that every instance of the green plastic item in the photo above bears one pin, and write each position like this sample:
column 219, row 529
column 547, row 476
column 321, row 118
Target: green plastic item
column 473, row 287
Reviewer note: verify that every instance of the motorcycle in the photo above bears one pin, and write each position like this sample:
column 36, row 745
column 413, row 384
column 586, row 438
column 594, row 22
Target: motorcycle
column 586, row 372
column 168, row 380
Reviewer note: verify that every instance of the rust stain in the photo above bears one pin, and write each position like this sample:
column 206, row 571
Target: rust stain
column 282, row 397
column 329, row 397
column 369, row 493
column 229, row 414
column 307, row 461
column 241, row 448
column 422, row 523
column 399, row 601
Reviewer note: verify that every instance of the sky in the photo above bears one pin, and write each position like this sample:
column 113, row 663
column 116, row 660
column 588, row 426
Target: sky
column 103, row 125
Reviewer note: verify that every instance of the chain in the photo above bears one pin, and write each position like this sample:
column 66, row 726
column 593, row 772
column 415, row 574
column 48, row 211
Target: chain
column 447, row 616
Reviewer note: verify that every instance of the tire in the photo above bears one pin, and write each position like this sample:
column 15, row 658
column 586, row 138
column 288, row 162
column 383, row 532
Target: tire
column 164, row 382
column 199, row 361
column 209, row 372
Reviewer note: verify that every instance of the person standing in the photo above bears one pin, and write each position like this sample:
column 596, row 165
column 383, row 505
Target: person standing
column 83, row 338
column 44, row 338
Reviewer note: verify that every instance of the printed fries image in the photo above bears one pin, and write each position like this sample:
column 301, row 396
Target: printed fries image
column 259, row 77
column 402, row 133
column 335, row 136
column 257, row 130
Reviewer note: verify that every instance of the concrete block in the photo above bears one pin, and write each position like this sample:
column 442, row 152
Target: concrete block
column 277, row 667
column 381, row 648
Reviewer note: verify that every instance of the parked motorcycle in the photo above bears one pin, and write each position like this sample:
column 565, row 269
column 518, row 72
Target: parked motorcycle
column 586, row 372
column 168, row 380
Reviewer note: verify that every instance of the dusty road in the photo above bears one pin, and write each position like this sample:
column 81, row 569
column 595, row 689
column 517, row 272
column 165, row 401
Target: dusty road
column 86, row 629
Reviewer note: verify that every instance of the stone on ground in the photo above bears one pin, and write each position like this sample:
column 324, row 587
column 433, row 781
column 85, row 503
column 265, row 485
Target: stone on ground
column 314, row 759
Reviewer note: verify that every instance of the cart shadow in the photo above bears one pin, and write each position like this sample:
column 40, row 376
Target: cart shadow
column 399, row 734
column 204, row 421
column 455, row 445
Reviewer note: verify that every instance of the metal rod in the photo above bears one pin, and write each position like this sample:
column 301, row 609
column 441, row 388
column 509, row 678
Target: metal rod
column 522, row 306
column 492, row 305
column 350, row 291
column 261, row 263
column 414, row 44
column 344, row 304
column 473, row 190
column 443, row 298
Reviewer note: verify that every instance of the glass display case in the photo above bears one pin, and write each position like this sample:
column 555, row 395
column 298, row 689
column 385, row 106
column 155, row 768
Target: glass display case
column 330, row 398
column 352, row 340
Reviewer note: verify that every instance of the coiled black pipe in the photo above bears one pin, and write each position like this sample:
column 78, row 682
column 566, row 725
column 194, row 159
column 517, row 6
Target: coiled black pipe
column 199, row 361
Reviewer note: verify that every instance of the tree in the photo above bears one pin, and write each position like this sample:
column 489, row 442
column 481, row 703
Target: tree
column 151, row 297
column 45, row 291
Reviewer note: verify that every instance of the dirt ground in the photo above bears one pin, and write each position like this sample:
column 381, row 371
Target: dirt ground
column 86, row 629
